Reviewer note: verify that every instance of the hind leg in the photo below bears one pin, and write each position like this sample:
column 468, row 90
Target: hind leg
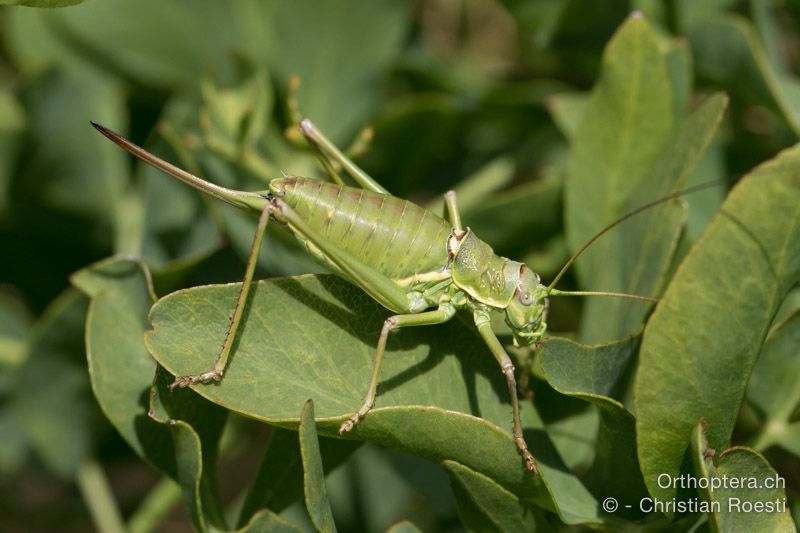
column 215, row 374
column 329, row 152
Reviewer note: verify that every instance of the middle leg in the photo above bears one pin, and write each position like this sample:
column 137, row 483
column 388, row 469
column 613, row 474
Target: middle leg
column 444, row 313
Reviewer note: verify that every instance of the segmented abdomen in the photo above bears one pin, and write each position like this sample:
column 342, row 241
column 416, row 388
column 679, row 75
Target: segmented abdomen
column 395, row 237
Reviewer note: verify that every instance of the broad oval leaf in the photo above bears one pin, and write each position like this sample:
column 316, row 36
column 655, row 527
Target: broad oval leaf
column 183, row 446
column 119, row 369
column 314, row 337
column 625, row 124
column 702, row 341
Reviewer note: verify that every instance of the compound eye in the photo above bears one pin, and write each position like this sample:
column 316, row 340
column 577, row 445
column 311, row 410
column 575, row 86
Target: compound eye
column 525, row 297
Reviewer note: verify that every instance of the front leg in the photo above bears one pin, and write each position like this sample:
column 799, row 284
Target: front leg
column 444, row 313
column 482, row 321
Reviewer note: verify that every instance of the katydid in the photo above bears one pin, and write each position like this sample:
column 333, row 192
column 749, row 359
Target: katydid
column 418, row 265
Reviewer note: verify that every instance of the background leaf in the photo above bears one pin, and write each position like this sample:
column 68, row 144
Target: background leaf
column 57, row 415
column 703, row 339
column 121, row 293
column 774, row 387
column 341, row 31
column 728, row 51
column 612, row 173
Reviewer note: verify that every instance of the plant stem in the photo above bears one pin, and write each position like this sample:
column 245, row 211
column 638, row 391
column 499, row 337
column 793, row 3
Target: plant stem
column 99, row 499
column 160, row 500
column 766, row 436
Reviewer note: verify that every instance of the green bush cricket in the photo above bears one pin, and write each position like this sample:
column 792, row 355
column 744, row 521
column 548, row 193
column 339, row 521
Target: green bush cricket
column 413, row 262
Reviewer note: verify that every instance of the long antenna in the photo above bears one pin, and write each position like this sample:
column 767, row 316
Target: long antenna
column 622, row 219
column 556, row 292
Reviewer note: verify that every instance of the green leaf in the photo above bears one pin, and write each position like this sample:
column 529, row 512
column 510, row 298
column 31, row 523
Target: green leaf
column 689, row 13
column 122, row 374
column 14, row 444
column 91, row 174
column 473, row 190
column 237, row 107
column 412, row 134
column 743, row 492
column 626, row 122
column 120, row 368
column 221, row 147
column 372, row 491
column 336, row 92
column 702, row 341
column 628, row 151
column 510, row 220
column 705, row 203
column 639, row 254
column 574, row 437
column 681, row 76
column 567, row 110
column 196, row 426
column 483, row 505
column 53, row 403
column 774, row 386
column 767, row 26
column 15, row 328
column 316, row 494
column 156, row 43
column 315, row 336
column 178, row 230
column 596, row 374
column 727, row 51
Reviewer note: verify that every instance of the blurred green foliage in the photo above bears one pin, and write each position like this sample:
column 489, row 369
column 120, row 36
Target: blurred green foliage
column 550, row 118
